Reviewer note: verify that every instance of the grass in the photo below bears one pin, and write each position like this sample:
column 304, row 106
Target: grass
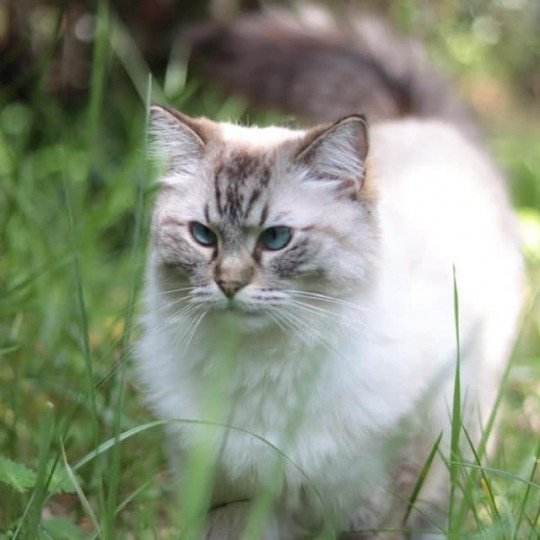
column 84, row 458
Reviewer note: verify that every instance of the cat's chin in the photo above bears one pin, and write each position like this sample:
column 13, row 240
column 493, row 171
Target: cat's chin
column 245, row 319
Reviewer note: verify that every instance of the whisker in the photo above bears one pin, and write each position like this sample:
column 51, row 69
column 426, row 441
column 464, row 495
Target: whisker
column 194, row 328
column 312, row 307
column 325, row 342
column 193, row 296
column 185, row 311
column 179, row 340
column 308, row 328
column 298, row 325
column 169, row 305
column 275, row 318
column 337, row 318
column 325, row 298
column 173, row 319
column 181, row 289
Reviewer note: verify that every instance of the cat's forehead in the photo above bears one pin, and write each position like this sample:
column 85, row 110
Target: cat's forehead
column 256, row 138
column 242, row 168
column 240, row 185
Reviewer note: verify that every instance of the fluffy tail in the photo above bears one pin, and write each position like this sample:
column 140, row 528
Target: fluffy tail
column 322, row 68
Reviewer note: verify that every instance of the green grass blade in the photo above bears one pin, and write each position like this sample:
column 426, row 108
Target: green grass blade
column 421, row 479
column 133, row 496
column 85, row 329
column 119, row 390
column 79, row 491
column 456, row 420
column 108, row 444
column 496, row 472
column 527, row 318
column 81, row 304
column 113, row 477
column 42, row 475
column 136, row 248
column 527, row 493
column 99, row 69
column 127, row 51
column 535, row 525
column 485, row 479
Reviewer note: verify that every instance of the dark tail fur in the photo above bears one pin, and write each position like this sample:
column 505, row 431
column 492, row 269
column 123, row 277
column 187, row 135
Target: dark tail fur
column 323, row 67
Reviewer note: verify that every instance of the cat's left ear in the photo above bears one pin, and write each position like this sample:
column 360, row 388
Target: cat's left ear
column 337, row 153
column 179, row 139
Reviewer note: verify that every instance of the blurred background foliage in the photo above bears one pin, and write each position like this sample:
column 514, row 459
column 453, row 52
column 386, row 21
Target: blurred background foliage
column 490, row 47
column 74, row 197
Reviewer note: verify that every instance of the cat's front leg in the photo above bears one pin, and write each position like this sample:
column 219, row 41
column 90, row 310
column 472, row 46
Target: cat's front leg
column 228, row 522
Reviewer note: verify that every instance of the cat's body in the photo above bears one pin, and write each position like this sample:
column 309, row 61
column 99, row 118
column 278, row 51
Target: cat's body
column 351, row 372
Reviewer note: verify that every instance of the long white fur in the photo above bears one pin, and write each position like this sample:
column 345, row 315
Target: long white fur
column 441, row 206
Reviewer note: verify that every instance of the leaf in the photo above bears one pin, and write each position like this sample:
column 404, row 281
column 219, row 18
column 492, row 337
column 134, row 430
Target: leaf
column 60, row 482
column 61, row 528
column 16, row 475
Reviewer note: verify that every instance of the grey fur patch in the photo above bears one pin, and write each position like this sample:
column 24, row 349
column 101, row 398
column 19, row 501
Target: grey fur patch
column 293, row 261
column 240, row 181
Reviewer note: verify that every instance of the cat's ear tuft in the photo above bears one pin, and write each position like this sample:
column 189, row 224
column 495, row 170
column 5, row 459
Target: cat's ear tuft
column 338, row 152
column 178, row 139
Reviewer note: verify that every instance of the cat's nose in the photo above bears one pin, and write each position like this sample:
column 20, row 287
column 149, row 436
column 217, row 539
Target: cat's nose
column 229, row 288
column 232, row 273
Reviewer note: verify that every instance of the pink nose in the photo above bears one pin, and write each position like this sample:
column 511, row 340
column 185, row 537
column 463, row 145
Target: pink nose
column 229, row 288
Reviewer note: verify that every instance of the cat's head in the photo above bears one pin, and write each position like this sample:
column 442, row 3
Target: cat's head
column 254, row 221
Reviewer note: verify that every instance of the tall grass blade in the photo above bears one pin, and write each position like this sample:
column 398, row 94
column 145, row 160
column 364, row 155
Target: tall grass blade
column 113, row 476
column 85, row 328
column 421, row 479
column 136, row 247
column 77, row 487
column 527, row 494
column 496, row 472
column 456, row 420
column 81, row 304
column 485, row 480
column 472, row 479
column 133, row 496
column 99, row 69
column 108, row 444
column 119, row 388
column 42, row 475
column 535, row 525
column 126, row 50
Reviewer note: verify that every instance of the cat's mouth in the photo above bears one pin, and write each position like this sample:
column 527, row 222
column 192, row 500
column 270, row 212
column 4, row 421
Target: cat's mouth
column 242, row 309
column 242, row 317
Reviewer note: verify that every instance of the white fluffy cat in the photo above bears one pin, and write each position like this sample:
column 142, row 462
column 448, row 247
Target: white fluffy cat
column 304, row 279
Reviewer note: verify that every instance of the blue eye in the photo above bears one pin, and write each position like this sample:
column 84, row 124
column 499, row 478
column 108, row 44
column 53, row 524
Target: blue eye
column 202, row 234
column 275, row 238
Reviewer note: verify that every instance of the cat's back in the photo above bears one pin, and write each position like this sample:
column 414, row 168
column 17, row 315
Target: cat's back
column 441, row 185
column 444, row 206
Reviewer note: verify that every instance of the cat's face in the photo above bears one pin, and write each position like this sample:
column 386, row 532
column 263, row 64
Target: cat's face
column 252, row 221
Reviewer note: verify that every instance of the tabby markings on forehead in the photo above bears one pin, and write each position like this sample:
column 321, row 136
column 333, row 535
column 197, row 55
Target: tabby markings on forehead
column 239, row 182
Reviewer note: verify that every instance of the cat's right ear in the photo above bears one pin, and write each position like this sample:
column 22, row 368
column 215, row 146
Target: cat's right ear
column 178, row 140
column 337, row 153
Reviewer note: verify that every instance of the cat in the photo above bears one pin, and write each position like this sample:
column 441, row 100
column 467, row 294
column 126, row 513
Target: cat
column 300, row 282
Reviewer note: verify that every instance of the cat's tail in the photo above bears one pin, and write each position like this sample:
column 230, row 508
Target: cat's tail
column 322, row 67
